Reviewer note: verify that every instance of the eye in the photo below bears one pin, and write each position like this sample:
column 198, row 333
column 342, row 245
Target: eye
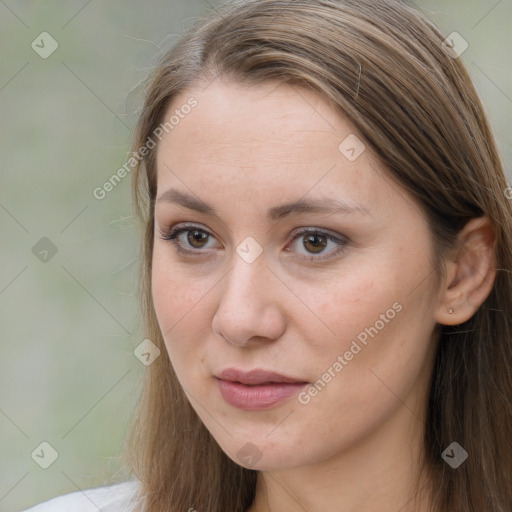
column 191, row 240
column 188, row 239
column 315, row 241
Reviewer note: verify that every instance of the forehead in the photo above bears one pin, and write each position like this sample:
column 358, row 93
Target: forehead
column 231, row 119
column 271, row 141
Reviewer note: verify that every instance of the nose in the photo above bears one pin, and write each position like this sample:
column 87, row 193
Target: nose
column 249, row 308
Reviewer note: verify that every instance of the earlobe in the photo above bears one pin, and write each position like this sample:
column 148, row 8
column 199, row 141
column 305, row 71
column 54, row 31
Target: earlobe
column 470, row 275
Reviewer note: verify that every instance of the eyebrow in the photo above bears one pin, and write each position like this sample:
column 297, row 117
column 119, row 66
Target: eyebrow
column 321, row 205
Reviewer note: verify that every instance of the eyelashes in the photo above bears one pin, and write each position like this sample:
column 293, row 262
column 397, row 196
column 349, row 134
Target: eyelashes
column 174, row 233
column 313, row 241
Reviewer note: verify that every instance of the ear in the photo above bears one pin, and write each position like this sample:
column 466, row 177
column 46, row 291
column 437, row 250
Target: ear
column 470, row 274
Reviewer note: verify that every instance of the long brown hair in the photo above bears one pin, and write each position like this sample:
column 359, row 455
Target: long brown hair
column 382, row 64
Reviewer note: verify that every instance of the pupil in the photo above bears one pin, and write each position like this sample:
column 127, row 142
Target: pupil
column 196, row 237
column 318, row 242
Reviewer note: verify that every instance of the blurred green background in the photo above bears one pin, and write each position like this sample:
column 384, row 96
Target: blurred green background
column 69, row 319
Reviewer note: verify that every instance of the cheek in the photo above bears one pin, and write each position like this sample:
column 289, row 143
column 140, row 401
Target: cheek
column 380, row 347
column 372, row 320
column 178, row 300
column 344, row 304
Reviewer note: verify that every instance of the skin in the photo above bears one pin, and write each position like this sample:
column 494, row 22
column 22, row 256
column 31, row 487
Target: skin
column 356, row 446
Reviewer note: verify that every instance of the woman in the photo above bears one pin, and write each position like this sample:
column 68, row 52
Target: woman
column 326, row 271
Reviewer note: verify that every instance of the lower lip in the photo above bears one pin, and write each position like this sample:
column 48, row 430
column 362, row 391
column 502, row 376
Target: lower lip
column 253, row 398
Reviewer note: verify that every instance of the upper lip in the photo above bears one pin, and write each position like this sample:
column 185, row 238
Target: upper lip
column 256, row 376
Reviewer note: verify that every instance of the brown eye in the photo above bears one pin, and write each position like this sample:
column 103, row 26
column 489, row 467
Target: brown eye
column 315, row 243
column 189, row 240
column 197, row 238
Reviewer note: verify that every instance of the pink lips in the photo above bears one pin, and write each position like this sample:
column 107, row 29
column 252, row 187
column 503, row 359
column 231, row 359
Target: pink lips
column 256, row 389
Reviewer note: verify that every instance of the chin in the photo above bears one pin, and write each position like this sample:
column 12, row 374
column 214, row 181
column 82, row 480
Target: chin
column 254, row 452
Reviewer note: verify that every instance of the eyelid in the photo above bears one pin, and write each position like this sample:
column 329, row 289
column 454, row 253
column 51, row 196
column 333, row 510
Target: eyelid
column 322, row 231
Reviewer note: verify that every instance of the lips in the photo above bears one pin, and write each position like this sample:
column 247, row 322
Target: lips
column 256, row 389
column 257, row 376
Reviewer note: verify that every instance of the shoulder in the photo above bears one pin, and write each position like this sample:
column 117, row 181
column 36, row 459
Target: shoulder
column 111, row 498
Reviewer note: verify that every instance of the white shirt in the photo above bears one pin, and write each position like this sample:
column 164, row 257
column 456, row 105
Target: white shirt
column 111, row 498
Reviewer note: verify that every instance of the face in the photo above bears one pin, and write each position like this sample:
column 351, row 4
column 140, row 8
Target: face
column 282, row 244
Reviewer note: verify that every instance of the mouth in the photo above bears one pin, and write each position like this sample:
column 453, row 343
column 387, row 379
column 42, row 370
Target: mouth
column 256, row 377
column 256, row 389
